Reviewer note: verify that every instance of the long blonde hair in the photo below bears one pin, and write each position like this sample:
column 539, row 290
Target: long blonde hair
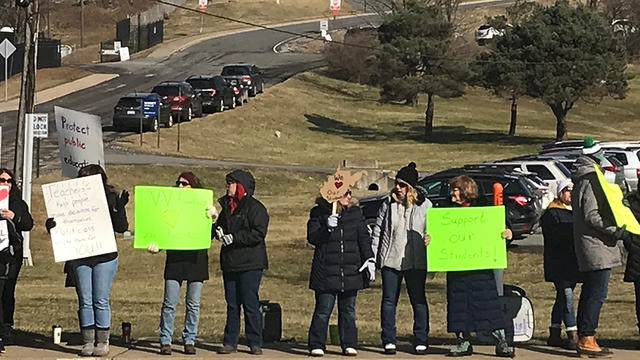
column 409, row 200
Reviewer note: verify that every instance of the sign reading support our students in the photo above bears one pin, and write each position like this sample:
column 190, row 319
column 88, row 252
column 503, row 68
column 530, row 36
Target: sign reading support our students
column 466, row 238
column 79, row 140
column 173, row 218
column 83, row 223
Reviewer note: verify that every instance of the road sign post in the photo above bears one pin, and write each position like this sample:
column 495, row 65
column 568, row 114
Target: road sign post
column 202, row 5
column 6, row 49
column 40, row 130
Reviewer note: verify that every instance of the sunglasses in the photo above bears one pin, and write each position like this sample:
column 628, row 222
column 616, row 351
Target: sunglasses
column 5, row 181
column 401, row 184
column 183, row 183
column 567, row 189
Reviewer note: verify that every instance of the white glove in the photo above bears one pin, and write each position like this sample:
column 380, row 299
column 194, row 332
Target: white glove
column 332, row 221
column 212, row 212
column 153, row 248
column 370, row 266
column 219, row 233
column 227, row 239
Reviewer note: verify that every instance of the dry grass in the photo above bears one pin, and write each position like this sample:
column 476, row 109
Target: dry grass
column 45, row 79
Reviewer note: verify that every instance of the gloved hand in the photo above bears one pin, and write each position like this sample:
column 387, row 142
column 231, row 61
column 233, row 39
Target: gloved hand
column 332, row 221
column 219, row 233
column 122, row 200
column 50, row 224
column 370, row 266
column 153, row 248
column 622, row 234
column 227, row 239
column 212, row 212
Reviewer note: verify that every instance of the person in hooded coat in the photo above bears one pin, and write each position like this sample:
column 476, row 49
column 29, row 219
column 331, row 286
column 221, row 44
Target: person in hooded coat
column 242, row 228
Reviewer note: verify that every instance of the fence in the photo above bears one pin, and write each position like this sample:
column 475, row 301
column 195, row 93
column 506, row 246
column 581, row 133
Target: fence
column 48, row 56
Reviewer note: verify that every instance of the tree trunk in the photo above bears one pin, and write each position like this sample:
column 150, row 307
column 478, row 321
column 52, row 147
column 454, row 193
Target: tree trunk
column 428, row 117
column 514, row 115
column 561, row 127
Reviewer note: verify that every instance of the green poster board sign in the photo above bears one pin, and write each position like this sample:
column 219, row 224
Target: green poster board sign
column 174, row 218
column 466, row 238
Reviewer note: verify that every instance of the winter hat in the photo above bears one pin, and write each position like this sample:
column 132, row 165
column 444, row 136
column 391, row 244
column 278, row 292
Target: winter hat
column 563, row 184
column 408, row 174
column 190, row 177
column 590, row 147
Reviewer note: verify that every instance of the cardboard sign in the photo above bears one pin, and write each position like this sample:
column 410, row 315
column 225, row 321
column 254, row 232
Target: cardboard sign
column 83, row 223
column 4, row 235
column 466, row 238
column 621, row 213
column 4, row 197
column 337, row 184
column 173, row 218
column 79, row 140
column 40, row 125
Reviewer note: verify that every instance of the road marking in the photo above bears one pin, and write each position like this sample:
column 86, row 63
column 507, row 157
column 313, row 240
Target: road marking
column 150, row 75
column 117, row 87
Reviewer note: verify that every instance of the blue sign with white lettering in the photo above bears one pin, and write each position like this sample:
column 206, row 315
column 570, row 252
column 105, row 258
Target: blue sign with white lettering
column 150, row 107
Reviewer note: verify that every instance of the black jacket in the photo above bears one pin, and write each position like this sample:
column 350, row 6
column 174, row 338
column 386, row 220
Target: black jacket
column 21, row 221
column 632, row 269
column 339, row 252
column 248, row 224
column 560, row 261
column 189, row 265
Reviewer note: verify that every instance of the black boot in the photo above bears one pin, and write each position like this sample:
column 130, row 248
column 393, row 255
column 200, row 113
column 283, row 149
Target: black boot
column 555, row 337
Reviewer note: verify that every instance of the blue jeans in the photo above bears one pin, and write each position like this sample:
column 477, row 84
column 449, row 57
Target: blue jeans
column 415, row 282
column 93, row 285
column 241, row 288
column 192, row 313
column 346, row 319
column 563, row 306
column 594, row 292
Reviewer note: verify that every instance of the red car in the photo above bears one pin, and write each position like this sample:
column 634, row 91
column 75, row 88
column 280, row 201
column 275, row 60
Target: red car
column 185, row 103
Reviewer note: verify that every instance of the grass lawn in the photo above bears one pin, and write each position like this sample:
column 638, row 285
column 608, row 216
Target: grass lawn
column 138, row 286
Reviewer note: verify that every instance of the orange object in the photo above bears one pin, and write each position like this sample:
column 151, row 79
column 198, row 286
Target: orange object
column 497, row 193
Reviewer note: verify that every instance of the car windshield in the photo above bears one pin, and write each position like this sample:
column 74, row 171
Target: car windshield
column 201, row 83
column 235, row 70
column 129, row 102
column 165, row 90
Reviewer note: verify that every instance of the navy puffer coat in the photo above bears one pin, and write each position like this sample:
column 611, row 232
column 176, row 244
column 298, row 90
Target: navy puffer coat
column 340, row 252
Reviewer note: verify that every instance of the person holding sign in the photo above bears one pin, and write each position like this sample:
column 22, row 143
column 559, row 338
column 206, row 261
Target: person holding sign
column 472, row 297
column 93, row 275
column 14, row 219
column 632, row 244
column 561, row 265
column 191, row 266
column 342, row 254
column 399, row 247
column 241, row 228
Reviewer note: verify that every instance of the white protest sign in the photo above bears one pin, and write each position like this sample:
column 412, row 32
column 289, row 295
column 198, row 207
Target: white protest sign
column 4, row 235
column 40, row 125
column 83, row 224
column 4, row 197
column 79, row 140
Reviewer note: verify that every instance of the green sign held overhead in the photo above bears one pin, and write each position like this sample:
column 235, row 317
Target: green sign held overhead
column 174, row 218
column 466, row 238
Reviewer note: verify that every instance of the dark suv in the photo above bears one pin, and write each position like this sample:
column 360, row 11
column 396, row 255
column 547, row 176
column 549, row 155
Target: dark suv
column 215, row 92
column 521, row 204
column 141, row 110
column 183, row 100
column 249, row 74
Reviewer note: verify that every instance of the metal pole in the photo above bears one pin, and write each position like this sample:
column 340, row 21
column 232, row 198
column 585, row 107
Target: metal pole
column 38, row 157
column 49, row 19
column 81, row 23
column 201, row 22
column 140, row 122
column 6, row 91
column 179, row 115
column 365, row 6
column 158, row 131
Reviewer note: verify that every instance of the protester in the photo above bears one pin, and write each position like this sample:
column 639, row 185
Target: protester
column 560, row 265
column 18, row 219
column 242, row 227
column 191, row 266
column 596, row 237
column 632, row 244
column 398, row 245
column 93, row 275
column 342, row 264
column 472, row 297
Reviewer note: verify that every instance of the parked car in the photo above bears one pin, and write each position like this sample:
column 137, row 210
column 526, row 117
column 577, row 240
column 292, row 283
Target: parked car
column 249, row 74
column 551, row 171
column 146, row 109
column 184, row 102
column 240, row 89
column 521, row 203
column 486, row 33
column 215, row 92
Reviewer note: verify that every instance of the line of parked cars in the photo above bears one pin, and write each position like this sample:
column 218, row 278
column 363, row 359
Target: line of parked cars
column 170, row 102
column 529, row 182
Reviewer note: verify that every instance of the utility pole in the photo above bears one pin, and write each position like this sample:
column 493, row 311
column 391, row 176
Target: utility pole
column 27, row 85
column 81, row 23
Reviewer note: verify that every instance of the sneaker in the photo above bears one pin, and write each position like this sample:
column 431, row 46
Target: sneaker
column 165, row 349
column 189, row 349
column 226, row 349
column 255, row 350
column 390, row 349
column 421, row 349
column 316, row 353
column 350, row 351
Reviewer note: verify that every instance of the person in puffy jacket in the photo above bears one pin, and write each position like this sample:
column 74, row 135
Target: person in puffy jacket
column 342, row 265
column 242, row 228
column 17, row 219
column 632, row 244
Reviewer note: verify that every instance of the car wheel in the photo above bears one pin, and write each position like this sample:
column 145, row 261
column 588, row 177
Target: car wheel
column 261, row 87
column 154, row 125
column 190, row 114
column 221, row 106
column 252, row 90
column 233, row 102
column 170, row 121
column 245, row 96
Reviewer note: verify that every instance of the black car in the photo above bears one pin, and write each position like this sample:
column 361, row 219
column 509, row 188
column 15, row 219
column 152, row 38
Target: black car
column 215, row 92
column 249, row 74
column 147, row 109
column 184, row 102
column 521, row 203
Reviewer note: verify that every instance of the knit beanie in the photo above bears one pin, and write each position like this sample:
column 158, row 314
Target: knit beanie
column 408, row 174
column 590, row 147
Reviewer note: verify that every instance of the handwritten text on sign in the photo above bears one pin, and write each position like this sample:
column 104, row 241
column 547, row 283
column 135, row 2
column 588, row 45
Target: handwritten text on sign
column 83, row 224
column 79, row 140
column 466, row 238
column 173, row 218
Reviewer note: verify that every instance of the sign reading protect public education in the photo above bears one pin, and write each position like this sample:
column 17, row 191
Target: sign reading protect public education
column 83, row 223
column 174, row 218
column 466, row 238
column 622, row 214
column 79, row 140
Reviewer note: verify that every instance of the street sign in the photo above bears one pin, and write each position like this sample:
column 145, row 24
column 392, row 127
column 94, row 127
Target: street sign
column 334, row 6
column 202, row 5
column 324, row 27
column 6, row 49
column 40, row 125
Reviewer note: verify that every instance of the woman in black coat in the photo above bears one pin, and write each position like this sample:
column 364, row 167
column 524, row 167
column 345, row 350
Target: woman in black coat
column 191, row 266
column 632, row 244
column 342, row 250
column 18, row 219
